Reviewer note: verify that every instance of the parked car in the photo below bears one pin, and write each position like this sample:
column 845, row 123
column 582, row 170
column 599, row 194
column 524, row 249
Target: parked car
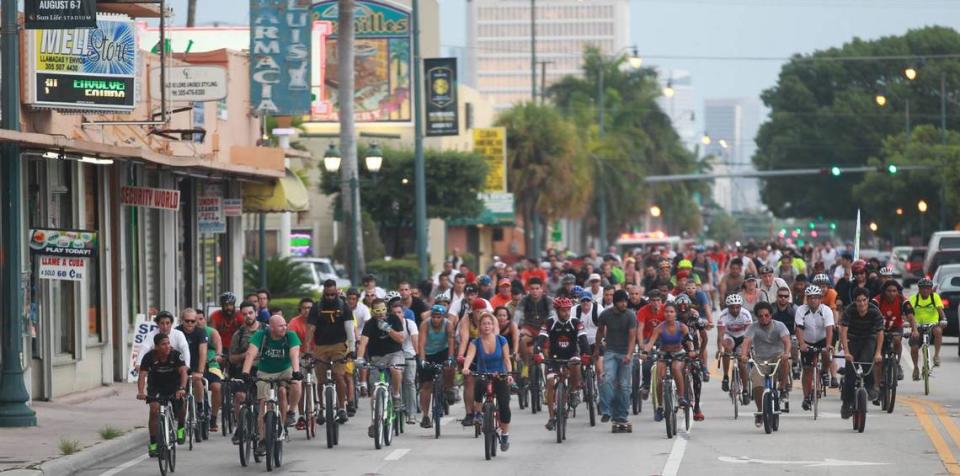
column 937, row 259
column 940, row 240
column 913, row 268
column 322, row 269
column 944, row 273
column 949, row 291
column 899, row 256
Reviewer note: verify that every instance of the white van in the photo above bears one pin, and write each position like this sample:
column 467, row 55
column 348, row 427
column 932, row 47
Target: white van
column 321, row 269
column 941, row 240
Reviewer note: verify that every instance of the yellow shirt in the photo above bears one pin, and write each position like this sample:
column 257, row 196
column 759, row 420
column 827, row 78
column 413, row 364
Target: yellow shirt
column 926, row 311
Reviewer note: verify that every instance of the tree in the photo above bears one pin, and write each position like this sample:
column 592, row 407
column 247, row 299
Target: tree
column 724, row 228
column 823, row 113
column 285, row 278
column 545, row 170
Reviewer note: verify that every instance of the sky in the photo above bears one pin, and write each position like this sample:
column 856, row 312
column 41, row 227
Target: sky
column 665, row 31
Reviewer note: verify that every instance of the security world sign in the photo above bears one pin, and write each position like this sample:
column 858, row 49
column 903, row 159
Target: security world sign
column 56, row 14
column 84, row 69
column 382, row 62
column 280, row 56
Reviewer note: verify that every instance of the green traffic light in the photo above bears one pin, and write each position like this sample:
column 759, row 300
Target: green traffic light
column 835, row 171
column 812, row 225
column 892, row 168
column 833, row 226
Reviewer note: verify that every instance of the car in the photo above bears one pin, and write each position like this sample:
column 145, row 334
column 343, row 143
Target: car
column 940, row 258
column 940, row 240
column 322, row 269
column 898, row 260
column 913, row 267
column 949, row 291
column 944, row 273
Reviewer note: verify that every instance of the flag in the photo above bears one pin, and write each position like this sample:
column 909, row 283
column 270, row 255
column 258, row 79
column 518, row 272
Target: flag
column 856, row 239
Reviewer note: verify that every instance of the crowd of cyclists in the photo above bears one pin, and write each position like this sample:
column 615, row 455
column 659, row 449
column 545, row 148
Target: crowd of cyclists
column 532, row 324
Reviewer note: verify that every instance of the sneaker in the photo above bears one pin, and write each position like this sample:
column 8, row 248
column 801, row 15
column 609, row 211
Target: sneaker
column 261, row 449
column 351, row 409
column 372, row 431
column 213, row 426
column 551, row 424
column 683, row 402
column 235, row 439
column 574, row 399
column 806, row 404
column 644, row 392
column 342, row 416
column 363, row 391
column 321, row 420
column 411, row 420
column 658, row 415
column 834, row 383
column 936, row 360
column 152, row 450
column 745, row 397
column 504, row 443
column 425, row 422
column 604, row 418
column 291, row 418
column 916, row 374
column 758, row 420
column 467, row 420
column 785, row 406
column 873, row 394
column 698, row 415
column 181, row 435
column 301, row 423
column 706, row 376
column 845, row 411
column 826, row 380
column 725, row 384
column 899, row 372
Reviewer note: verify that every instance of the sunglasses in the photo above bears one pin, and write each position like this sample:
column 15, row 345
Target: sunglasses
column 191, row 321
column 330, row 294
column 785, row 296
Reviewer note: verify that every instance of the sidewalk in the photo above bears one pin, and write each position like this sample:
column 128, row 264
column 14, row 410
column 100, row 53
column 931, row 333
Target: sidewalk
column 77, row 417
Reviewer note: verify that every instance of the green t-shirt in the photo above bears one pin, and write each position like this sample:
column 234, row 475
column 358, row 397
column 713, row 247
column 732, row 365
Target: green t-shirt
column 211, row 352
column 276, row 356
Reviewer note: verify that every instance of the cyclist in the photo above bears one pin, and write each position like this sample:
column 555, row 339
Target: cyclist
column 846, row 286
column 164, row 322
column 769, row 284
column 197, row 341
column 227, row 319
column 214, row 373
column 278, row 350
column 436, row 344
column 701, row 303
column 732, row 281
column 697, row 326
column 829, row 294
column 508, row 329
column 568, row 340
column 382, row 342
column 418, row 307
column 750, row 292
column 770, row 341
column 731, row 327
column 468, row 329
column 331, row 338
column 533, row 310
column 814, row 326
column 861, row 337
column 673, row 337
column 492, row 354
column 619, row 326
column 927, row 310
column 503, row 296
column 895, row 309
column 239, row 345
column 167, row 373
column 648, row 318
column 588, row 312
column 411, row 344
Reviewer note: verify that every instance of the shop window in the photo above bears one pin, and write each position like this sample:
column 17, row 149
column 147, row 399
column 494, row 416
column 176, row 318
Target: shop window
column 63, row 295
column 91, row 221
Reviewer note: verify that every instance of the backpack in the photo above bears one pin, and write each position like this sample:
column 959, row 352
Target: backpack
column 593, row 311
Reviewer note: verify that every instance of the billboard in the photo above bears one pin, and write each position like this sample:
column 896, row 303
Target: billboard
column 442, row 103
column 382, row 65
column 39, row 14
column 280, row 57
column 491, row 143
column 84, row 69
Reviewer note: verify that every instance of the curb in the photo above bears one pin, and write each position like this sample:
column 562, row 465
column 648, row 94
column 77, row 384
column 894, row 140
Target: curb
column 91, row 455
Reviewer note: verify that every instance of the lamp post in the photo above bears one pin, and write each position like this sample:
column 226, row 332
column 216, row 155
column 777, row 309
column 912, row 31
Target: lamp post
column 331, row 163
column 419, row 172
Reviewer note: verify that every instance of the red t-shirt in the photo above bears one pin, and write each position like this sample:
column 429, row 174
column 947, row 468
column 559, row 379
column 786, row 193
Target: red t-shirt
column 497, row 300
column 538, row 273
column 650, row 319
column 226, row 327
column 893, row 312
column 298, row 325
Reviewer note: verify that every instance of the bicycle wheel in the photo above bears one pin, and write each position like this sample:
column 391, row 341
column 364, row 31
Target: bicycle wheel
column 635, row 380
column 735, row 390
column 278, row 445
column 308, row 417
column 377, row 421
column 162, row 447
column 269, row 437
column 590, row 395
column 489, row 432
column 191, row 421
column 246, row 443
column 815, row 397
column 172, row 444
column 437, row 406
column 926, row 369
column 203, row 428
column 767, row 413
column 892, row 388
column 688, row 390
column 668, row 411
column 330, row 415
column 389, row 416
column 559, row 408
column 535, row 390
column 861, row 422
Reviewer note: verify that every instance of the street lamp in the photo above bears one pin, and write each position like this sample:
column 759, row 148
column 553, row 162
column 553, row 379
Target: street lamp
column 706, row 139
column 910, row 72
column 668, row 90
column 873, row 226
column 723, row 143
column 922, row 206
column 899, row 211
column 880, row 99
column 332, row 159
column 634, row 59
column 655, row 211
column 374, row 158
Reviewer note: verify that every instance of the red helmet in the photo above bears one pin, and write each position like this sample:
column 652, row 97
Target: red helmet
column 562, row 303
column 859, row 266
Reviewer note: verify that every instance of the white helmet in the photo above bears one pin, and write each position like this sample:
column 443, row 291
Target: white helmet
column 444, row 296
column 886, row 271
column 821, row 278
column 391, row 295
column 813, row 290
column 734, row 300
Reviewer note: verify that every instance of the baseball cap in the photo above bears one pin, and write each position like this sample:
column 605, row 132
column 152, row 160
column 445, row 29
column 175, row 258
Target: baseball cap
column 766, row 270
column 595, row 277
column 504, row 282
column 479, row 304
column 470, row 288
column 484, row 280
column 586, row 296
column 750, row 277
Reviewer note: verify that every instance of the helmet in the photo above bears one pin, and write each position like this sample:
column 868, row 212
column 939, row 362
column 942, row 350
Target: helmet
column 886, row 271
column 438, row 309
column 562, row 303
column 684, row 264
column 392, row 295
column 568, row 279
column 821, row 279
column 478, row 304
column 859, row 266
column 228, row 298
column 766, row 270
column 443, row 297
column 734, row 300
column 576, row 292
column 925, row 283
column 683, row 300
column 813, row 291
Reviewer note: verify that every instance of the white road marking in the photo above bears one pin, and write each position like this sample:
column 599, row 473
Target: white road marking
column 672, row 467
column 395, row 455
column 809, row 464
column 124, row 466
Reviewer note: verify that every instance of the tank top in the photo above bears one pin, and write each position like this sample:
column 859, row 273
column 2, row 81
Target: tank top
column 667, row 339
column 492, row 362
column 436, row 339
column 474, row 330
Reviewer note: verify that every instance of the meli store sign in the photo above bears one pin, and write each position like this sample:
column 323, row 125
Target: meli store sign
column 150, row 197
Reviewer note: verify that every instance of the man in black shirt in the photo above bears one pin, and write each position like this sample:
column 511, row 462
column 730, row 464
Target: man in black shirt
column 197, row 341
column 567, row 341
column 382, row 343
column 167, row 374
column 330, row 338
column 420, row 309
column 861, row 335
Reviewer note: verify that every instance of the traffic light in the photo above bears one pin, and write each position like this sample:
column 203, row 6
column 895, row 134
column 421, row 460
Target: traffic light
column 892, row 168
column 811, row 225
column 835, row 171
column 833, row 226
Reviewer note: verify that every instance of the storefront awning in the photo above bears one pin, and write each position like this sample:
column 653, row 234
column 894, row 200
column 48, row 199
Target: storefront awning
column 287, row 194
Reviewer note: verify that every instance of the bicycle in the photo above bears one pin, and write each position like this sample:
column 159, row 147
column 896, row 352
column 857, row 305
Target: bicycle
column 888, row 386
column 636, row 381
column 736, row 385
column 275, row 432
column 671, row 399
column 438, row 401
column 535, row 385
column 384, row 416
column 309, row 399
column 203, row 413
column 817, row 390
column 522, row 389
column 249, row 434
column 770, row 401
column 795, row 364
column 329, row 404
column 490, row 415
column 166, row 436
column 190, row 424
column 859, row 412
column 561, row 391
column 226, row 407
column 590, row 394
column 925, row 368
column 693, row 385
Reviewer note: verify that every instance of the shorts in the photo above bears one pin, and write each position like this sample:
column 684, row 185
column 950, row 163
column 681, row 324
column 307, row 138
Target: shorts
column 552, row 366
column 166, row 392
column 737, row 341
column 756, row 379
column 389, row 360
column 593, row 349
column 919, row 339
column 426, row 373
column 807, row 357
column 263, row 388
column 214, row 375
column 333, row 352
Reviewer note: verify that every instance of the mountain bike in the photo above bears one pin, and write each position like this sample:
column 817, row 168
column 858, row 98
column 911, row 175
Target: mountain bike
column 249, row 434
column 275, row 432
column 859, row 413
column 227, row 421
column 203, row 413
column 522, row 388
column 309, row 399
column 535, row 384
column 770, row 401
column 590, row 394
column 438, row 400
column 384, row 416
column 926, row 369
column 561, row 395
column 489, row 420
column 166, row 436
column 888, row 385
column 330, row 403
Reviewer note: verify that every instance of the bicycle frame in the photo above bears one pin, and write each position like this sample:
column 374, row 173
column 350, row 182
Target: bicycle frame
column 770, row 400
column 166, row 427
column 490, row 424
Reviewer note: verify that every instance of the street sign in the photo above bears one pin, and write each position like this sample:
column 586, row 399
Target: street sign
column 150, row 197
column 191, row 83
column 491, row 143
column 58, row 15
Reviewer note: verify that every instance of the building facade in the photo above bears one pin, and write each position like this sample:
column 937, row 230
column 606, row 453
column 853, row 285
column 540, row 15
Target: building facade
column 732, row 124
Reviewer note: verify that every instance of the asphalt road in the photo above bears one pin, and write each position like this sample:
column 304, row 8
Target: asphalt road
column 920, row 437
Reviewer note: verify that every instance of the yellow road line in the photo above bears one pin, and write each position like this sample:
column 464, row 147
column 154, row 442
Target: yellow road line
column 943, row 449
column 947, row 421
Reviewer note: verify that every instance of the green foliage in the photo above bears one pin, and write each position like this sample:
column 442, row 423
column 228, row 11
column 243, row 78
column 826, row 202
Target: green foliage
column 289, row 305
column 724, row 228
column 390, row 273
column 284, row 276
column 373, row 248
column 823, row 113
column 68, row 446
column 109, row 432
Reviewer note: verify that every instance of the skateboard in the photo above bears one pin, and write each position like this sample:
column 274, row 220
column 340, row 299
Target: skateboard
column 622, row 428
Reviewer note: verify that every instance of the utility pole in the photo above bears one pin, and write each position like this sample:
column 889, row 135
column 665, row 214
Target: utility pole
column 14, row 411
column 602, row 196
column 535, row 217
column 943, row 140
column 348, row 144
column 419, row 171
column 543, row 81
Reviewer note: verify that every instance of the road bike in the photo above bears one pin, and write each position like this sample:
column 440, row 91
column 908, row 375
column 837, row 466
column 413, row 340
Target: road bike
column 736, row 385
column 310, row 400
column 561, row 395
column 891, row 361
column 330, row 403
column 818, row 389
column 275, row 432
column 489, row 420
column 438, row 400
column 590, row 394
column 925, row 368
column 166, row 436
column 770, row 401
column 384, row 417
column 859, row 412
column 248, row 434
column 190, row 425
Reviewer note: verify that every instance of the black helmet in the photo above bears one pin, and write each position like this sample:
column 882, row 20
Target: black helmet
column 228, row 298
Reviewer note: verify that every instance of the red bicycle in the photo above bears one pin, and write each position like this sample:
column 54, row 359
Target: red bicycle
column 488, row 423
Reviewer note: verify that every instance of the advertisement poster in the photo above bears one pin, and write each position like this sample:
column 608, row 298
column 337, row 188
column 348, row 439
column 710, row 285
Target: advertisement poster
column 59, row 14
column 142, row 326
column 381, row 66
column 491, row 143
column 442, row 106
column 85, row 69
column 68, row 243
column 61, row 267
column 210, row 215
column 232, row 207
column 280, row 57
